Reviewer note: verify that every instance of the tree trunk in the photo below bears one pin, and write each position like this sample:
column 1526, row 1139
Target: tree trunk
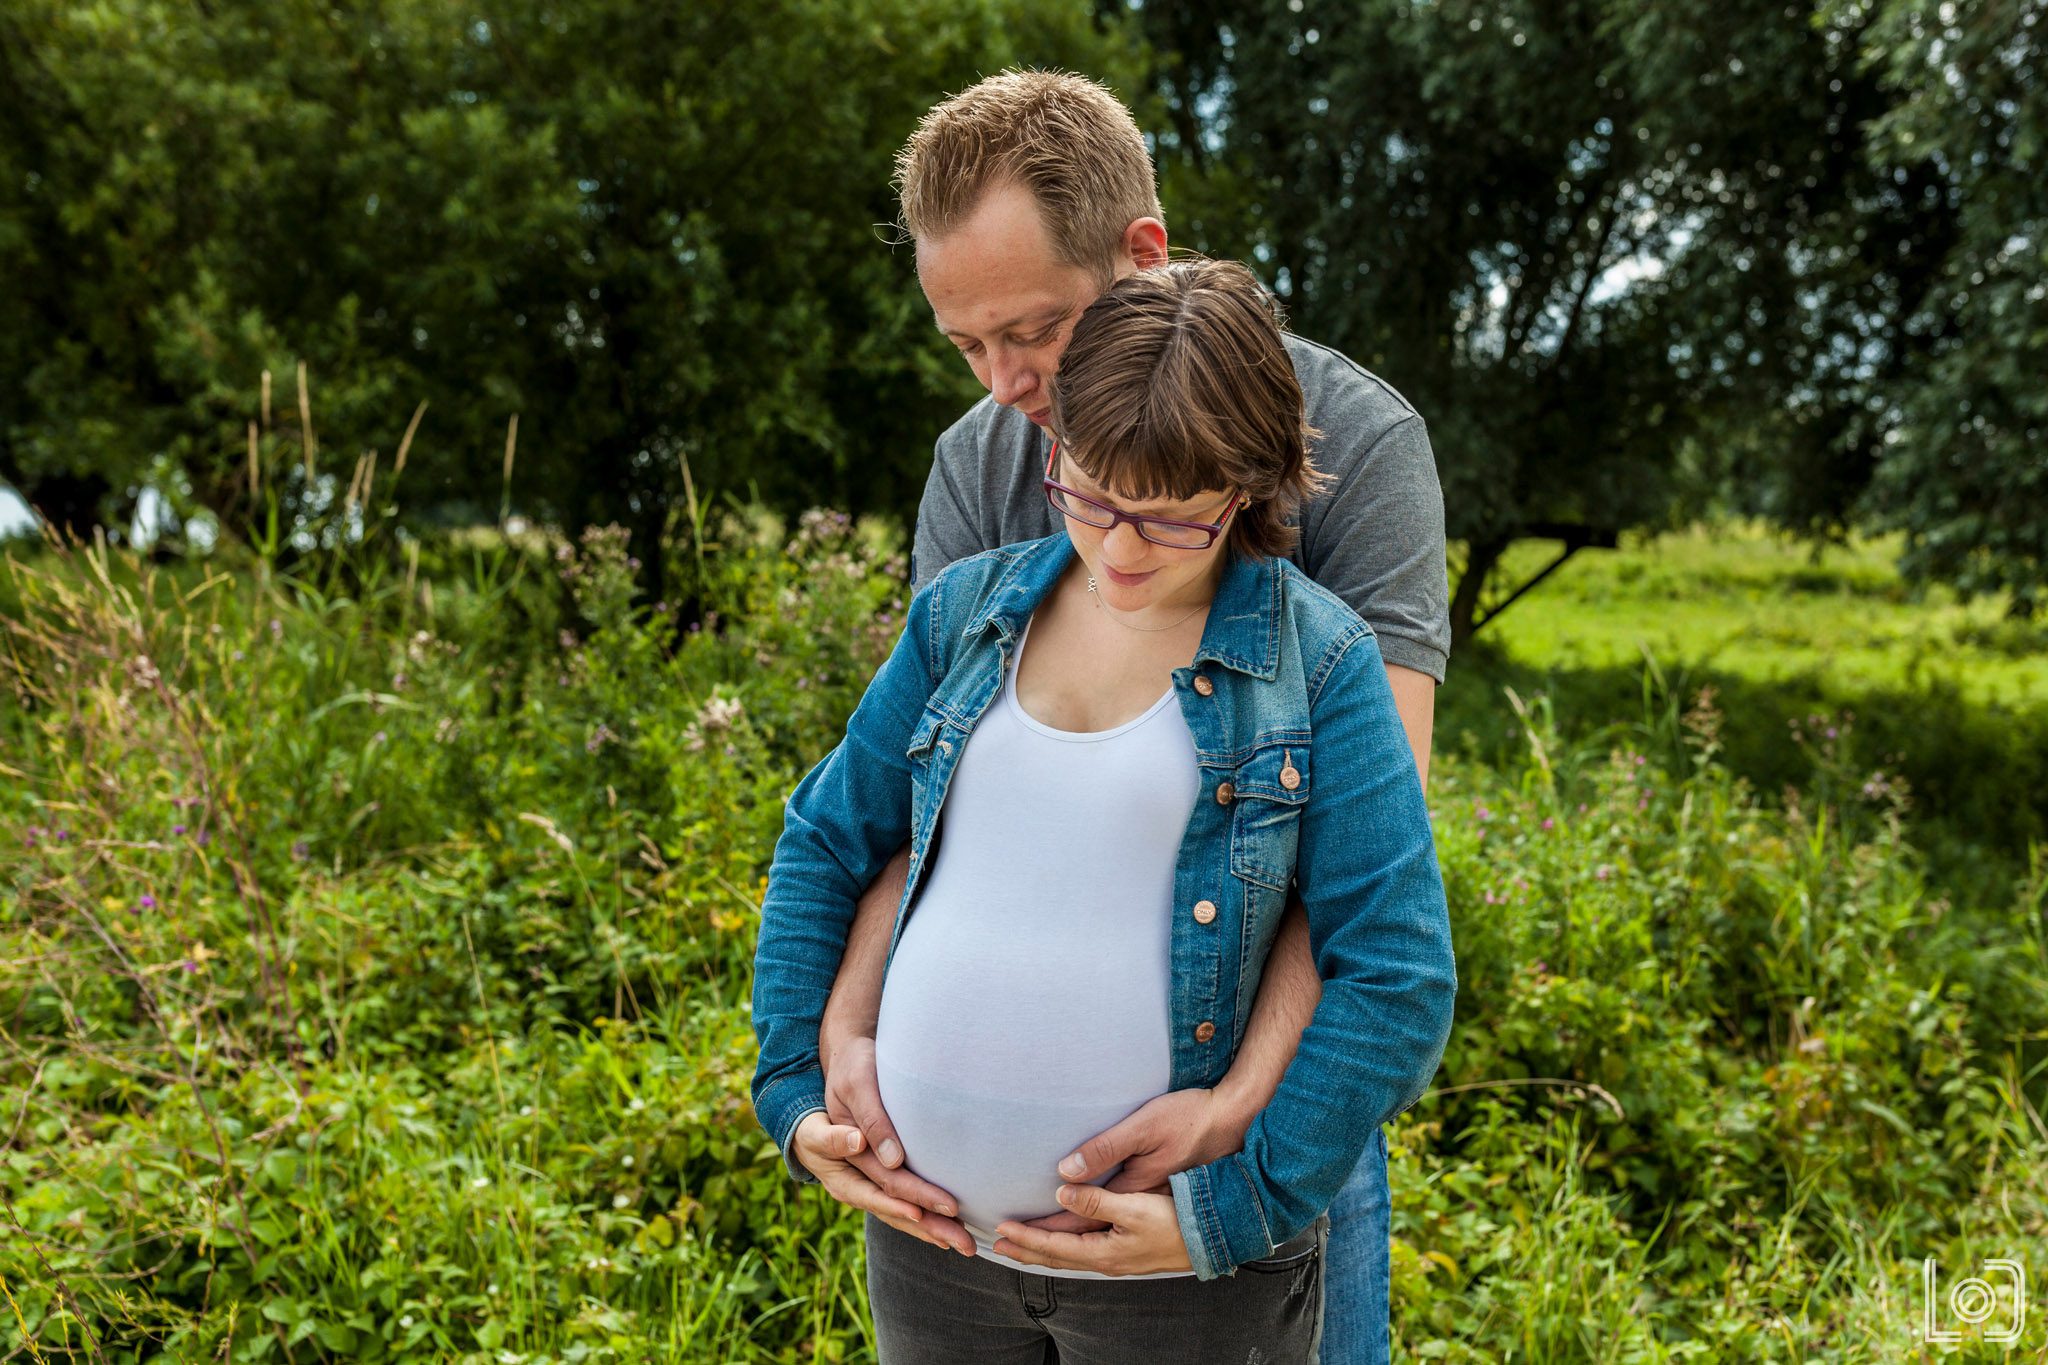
column 1479, row 564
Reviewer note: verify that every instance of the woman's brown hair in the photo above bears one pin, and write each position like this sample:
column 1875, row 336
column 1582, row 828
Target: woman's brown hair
column 1176, row 382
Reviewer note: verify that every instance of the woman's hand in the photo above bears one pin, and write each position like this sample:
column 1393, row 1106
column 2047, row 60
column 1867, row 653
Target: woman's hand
column 828, row 1151
column 1143, row 1235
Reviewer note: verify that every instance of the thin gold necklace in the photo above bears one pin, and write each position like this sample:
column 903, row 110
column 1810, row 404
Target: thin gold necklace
column 1150, row 630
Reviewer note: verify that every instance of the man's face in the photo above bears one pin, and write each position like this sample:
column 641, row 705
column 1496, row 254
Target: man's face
column 1003, row 296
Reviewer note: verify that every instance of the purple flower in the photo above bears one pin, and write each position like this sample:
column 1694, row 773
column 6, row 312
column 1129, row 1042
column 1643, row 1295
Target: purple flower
column 189, row 965
column 205, row 838
column 1602, row 872
column 298, row 850
column 177, row 829
column 1548, row 822
column 148, row 902
column 1831, row 732
column 62, row 835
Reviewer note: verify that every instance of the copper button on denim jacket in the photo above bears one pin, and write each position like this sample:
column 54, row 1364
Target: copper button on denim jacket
column 1309, row 783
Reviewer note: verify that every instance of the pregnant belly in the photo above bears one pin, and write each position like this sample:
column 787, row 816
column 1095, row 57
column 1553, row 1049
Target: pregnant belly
column 996, row 1154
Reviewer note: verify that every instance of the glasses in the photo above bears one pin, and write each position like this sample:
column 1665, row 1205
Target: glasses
column 1175, row 535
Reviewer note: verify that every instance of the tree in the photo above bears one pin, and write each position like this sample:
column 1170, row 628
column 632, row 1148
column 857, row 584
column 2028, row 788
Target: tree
column 647, row 230
column 1593, row 241
column 1965, row 467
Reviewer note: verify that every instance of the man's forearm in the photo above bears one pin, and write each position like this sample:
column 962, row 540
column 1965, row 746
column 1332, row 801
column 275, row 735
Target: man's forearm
column 857, row 990
column 1288, row 991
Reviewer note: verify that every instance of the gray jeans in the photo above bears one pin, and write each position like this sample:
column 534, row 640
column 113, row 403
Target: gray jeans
column 936, row 1307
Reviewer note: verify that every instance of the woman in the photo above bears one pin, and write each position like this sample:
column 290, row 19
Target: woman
column 1138, row 734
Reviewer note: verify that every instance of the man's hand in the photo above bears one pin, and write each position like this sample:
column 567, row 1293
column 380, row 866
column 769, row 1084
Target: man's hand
column 832, row 1151
column 1174, row 1132
column 1143, row 1235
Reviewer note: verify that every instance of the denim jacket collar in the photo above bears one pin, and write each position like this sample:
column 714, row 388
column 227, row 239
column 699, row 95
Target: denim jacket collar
column 1243, row 631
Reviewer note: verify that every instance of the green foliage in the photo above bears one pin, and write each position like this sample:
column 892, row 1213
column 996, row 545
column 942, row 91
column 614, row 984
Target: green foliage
column 1965, row 475
column 1588, row 240
column 649, row 231
column 382, row 946
column 1829, row 662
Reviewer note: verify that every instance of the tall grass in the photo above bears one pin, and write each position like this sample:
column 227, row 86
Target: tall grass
column 379, row 936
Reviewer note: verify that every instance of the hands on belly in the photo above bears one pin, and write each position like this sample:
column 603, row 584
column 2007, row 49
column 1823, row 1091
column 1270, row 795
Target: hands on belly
column 859, row 1147
column 1133, row 1232
column 1142, row 1236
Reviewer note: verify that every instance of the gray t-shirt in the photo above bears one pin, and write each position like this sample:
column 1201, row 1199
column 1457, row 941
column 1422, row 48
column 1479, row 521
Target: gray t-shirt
column 1376, row 538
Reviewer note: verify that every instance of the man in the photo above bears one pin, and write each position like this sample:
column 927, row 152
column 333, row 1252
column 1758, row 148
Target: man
column 1026, row 196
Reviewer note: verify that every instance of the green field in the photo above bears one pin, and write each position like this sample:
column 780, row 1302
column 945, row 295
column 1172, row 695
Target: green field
column 1742, row 601
column 380, row 929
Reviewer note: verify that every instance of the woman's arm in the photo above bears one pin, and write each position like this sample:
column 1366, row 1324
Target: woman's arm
column 841, row 826
column 1380, row 936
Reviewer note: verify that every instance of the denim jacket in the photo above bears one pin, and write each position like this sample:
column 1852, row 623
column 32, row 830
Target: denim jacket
column 1306, row 779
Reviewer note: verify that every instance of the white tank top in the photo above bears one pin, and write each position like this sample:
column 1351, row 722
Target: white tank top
column 1027, row 1007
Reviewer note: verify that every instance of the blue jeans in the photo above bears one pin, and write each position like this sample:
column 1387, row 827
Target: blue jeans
column 1356, row 1273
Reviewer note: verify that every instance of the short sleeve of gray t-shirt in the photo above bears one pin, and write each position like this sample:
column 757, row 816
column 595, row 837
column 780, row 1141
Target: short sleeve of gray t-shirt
column 1375, row 537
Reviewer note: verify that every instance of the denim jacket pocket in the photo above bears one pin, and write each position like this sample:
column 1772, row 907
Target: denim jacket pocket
column 1272, row 787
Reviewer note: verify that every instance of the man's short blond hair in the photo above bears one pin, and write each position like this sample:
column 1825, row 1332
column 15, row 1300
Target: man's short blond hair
column 1065, row 138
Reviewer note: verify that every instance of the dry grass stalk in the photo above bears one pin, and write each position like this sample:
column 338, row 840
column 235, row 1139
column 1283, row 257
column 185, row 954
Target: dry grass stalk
column 355, row 484
column 307, row 441
column 405, row 441
column 266, row 400
column 511, row 444
column 255, row 478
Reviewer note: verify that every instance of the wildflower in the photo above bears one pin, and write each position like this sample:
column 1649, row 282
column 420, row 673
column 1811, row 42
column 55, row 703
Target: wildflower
column 177, row 829
column 637, row 1105
column 1548, row 823
column 526, row 1111
column 205, row 838
column 405, row 1321
column 720, row 713
column 480, row 1182
column 1602, row 872
column 148, row 903
column 626, row 1160
column 189, row 965
column 298, row 850
column 620, row 1201
column 1484, row 813
column 236, row 657
column 276, row 629
column 61, row 835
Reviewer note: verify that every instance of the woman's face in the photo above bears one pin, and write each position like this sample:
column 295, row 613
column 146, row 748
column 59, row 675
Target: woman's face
column 1134, row 574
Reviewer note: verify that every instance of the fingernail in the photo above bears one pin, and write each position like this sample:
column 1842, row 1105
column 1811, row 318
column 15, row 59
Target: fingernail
column 946, row 1209
column 890, row 1153
column 1073, row 1168
column 1067, row 1194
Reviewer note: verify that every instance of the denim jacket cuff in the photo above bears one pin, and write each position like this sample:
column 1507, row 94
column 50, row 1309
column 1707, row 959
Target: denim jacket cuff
column 1204, row 1211
column 1221, row 1217
column 782, row 1106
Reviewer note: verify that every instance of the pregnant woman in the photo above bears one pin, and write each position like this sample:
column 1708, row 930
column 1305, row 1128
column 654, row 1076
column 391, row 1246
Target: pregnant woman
column 1111, row 752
